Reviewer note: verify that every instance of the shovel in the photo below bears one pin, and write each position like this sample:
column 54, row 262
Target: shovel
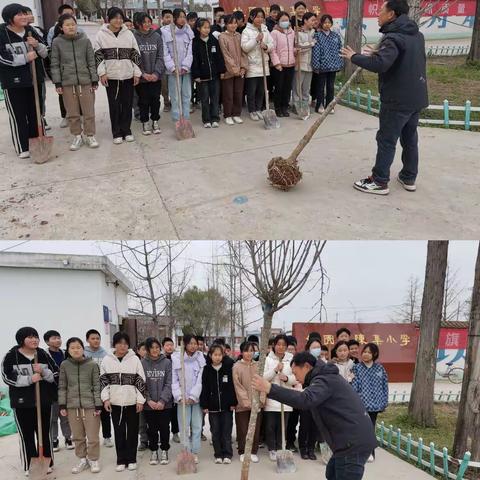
column 39, row 465
column 185, row 459
column 302, row 108
column 41, row 146
column 269, row 116
column 183, row 128
column 285, row 462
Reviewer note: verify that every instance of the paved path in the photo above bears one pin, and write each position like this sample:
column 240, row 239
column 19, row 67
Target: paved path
column 215, row 185
column 386, row 466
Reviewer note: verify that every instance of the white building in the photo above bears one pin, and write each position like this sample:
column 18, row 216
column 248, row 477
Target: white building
column 68, row 293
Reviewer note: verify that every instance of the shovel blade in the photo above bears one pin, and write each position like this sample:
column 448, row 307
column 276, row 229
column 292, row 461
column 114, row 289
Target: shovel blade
column 285, row 462
column 270, row 119
column 40, row 148
column 303, row 110
column 184, row 129
column 186, row 463
column 39, row 468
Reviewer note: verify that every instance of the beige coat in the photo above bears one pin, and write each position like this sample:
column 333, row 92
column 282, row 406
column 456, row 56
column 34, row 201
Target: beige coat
column 235, row 58
column 243, row 373
column 306, row 41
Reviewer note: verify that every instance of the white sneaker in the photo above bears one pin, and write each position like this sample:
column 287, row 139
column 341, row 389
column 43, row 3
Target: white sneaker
column 215, row 125
column 64, row 123
column 218, row 460
column 254, row 117
column 107, row 442
column 94, row 466
column 27, row 473
column 91, row 142
column 82, row 465
column 120, row 468
column 237, row 120
column 195, row 459
column 229, row 121
column 156, row 127
column 207, row 125
column 154, row 458
column 259, row 115
column 371, row 459
column 227, row 461
column 24, row 155
column 164, row 458
column 76, row 143
column 132, row 466
column 242, row 458
column 254, row 458
column 118, row 140
column 332, row 111
column 49, row 470
column 146, row 129
column 129, row 138
column 273, row 455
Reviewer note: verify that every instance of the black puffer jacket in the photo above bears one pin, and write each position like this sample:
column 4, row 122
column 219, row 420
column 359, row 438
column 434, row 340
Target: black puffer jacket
column 401, row 66
column 218, row 391
column 208, row 60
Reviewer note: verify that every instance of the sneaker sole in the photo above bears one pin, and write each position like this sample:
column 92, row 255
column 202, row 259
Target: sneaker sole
column 373, row 192
column 408, row 188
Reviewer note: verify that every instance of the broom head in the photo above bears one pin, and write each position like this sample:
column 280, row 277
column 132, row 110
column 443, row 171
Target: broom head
column 283, row 173
column 186, row 463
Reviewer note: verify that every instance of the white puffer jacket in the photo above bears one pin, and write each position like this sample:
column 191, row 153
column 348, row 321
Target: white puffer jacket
column 122, row 382
column 254, row 51
column 271, row 363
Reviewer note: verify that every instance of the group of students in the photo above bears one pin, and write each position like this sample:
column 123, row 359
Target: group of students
column 86, row 387
column 137, row 63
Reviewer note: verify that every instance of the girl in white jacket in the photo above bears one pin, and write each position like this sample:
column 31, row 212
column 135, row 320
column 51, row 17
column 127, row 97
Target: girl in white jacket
column 256, row 41
column 118, row 66
column 122, row 380
column 279, row 372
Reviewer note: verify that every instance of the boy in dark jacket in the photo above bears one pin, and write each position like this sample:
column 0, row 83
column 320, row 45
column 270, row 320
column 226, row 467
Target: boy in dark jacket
column 23, row 367
column 218, row 399
column 20, row 44
column 207, row 68
column 400, row 62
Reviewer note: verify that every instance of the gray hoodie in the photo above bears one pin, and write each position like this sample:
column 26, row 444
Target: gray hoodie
column 150, row 45
column 97, row 355
column 158, row 374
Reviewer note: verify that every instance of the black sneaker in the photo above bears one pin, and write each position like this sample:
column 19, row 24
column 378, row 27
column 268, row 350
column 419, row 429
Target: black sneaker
column 142, row 447
column 408, row 185
column 368, row 185
column 311, row 455
column 304, row 455
column 56, row 446
column 291, row 447
column 204, row 438
column 69, row 444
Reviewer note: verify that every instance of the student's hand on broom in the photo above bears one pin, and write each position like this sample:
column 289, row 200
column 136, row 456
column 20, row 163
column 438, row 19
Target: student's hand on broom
column 107, row 405
column 260, row 384
column 347, row 52
column 63, row 412
column 104, row 80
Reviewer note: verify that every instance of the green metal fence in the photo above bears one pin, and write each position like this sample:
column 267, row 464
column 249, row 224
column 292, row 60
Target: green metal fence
column 371, row 104
column 445, row 397
column 447, row 50
column 426, row 457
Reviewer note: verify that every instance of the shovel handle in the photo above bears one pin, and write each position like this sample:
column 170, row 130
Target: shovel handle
column 36, row 93
column 184, row 388
column 282, row 413
column 265, row 86
column 38, row 406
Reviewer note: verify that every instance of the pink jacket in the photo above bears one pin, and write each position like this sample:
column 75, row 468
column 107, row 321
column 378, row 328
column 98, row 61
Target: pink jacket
column 283, row 52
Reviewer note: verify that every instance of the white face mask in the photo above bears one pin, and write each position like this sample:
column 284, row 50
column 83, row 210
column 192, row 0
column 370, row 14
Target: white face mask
column 284, row 25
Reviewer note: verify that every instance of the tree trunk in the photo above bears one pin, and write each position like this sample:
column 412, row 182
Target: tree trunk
column 420, row 408
column 474, row 54
column 467, row 431
column 415, row 10
column 267, row 327
column 353, row 36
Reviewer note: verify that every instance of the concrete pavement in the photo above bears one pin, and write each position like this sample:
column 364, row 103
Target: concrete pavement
column 215, row 186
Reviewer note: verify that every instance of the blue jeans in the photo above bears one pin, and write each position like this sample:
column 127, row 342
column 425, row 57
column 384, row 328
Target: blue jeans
column 396, row 124
column 185, row 94
column 193, row 422
column 350, row 467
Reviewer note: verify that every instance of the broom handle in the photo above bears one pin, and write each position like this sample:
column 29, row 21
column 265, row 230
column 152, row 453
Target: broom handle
column 282, row 413
column 177, row 73
column 184, row 388
column 35, row 91
column 39, row 413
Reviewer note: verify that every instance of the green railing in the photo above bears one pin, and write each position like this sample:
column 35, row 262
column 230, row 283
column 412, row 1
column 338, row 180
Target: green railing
column 403, row 397
column 371, row 104
column 447, row 50
column 427, row 457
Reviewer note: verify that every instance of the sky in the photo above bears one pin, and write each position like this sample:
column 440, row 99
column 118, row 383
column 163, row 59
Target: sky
column 368, row 279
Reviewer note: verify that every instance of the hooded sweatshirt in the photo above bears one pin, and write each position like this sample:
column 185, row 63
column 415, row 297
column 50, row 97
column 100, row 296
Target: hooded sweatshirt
column 194, row 365
column 218, row 391
column 254, row 51
column 96, row 355
column 184, row 38
column 271, row 363
column 17, row 372
column 158, row 374
column 118, row 57
column 79, row 384
column 122, row 382
column 150, row 45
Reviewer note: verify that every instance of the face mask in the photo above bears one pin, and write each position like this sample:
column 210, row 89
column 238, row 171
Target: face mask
column 284, row 25
column 315, row 352
column 256, row 355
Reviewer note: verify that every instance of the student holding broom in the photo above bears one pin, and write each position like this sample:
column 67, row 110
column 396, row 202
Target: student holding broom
column 218, row 399
column 194, row 363
column 23, row 367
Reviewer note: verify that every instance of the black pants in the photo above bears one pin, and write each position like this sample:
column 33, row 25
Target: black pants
column 255, row 94
column 158, row 421
column 373, row 418
column 125, row 426
column 308, row 433
column 394, row 125
column 292, row 426
column 209, row 95
column 106, row 423
column 174, row 419
column 149, row 100
column 314, row 86
column 26, row 419
column 283, row 87
column 120, row 101
column 221, row 424
column 20, row 103
column 326, row 80
column 350, row 467
column 273, row 429
column 63, row 110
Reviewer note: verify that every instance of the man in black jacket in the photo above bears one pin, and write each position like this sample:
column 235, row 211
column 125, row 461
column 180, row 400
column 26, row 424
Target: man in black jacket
column 400, row 62
column 337, row 411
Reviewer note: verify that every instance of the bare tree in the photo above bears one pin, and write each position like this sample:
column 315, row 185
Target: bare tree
column 467, row 431
column 409, row 310
column 275, row 274
column 415, row 11
column 353, row 35
column 420, row 408
column 452, row 304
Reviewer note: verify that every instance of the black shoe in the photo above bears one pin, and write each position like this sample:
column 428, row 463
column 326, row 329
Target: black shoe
column 69, row 444
column 285, row 113
column 311, row 455
column 204, row 438
column 56, row 446
column 304, row 455
column 291, row 447
column 408, row 185
column 278, row 113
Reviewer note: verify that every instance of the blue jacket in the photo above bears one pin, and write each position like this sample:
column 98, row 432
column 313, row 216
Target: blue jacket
column 326, row 52
column 372, row 386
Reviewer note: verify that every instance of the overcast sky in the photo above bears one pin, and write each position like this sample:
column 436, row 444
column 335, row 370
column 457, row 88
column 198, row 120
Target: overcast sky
column 368, row 279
